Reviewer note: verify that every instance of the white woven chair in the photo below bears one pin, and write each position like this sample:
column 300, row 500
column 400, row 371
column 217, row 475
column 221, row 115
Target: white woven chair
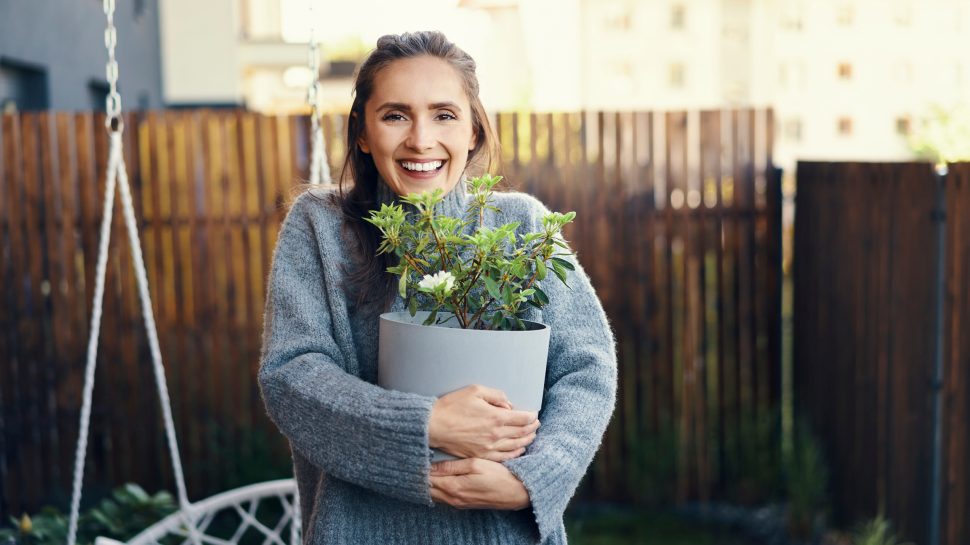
column 280, row 496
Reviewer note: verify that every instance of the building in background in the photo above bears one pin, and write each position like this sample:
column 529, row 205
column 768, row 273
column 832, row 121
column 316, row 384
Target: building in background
column 231, row 53
column 847, row 79
column 851, row 79
column 52, row 55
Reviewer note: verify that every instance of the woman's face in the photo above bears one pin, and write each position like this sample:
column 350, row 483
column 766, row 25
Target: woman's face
column 418, row 125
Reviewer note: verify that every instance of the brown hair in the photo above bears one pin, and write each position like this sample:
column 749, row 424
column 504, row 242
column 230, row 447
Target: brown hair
column 368, row 281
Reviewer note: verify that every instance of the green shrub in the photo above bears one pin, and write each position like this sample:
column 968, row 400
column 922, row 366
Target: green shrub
column 877, row 531
column 807, row 482
column 128, row 511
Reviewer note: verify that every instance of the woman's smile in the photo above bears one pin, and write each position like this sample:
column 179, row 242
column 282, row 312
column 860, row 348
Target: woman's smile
column 421, row 169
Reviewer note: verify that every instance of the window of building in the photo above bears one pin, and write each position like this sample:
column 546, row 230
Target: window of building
column 23, row 87
column 98, row 95
column 793, row 129
column 619, row 18
column 676, row 76
column 792, row 16
column 845, row 15
column 903, row 13
column 845, row 70
column 903, row 125
column 139, row 9
column 845, row 126
column 678, row 17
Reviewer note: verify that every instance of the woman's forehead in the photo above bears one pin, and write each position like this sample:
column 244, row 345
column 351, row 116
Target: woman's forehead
column 419, row 82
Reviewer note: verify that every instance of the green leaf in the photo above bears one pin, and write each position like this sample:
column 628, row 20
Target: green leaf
column 402, row 283
column 492, row 287
column 413, row 306
column 564, row 263
column 541, row 297
column 507, row 295
column 431, row 317
column 540, row 270
column 560, row 272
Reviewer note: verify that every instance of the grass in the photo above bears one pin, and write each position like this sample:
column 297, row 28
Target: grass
column 629, row 527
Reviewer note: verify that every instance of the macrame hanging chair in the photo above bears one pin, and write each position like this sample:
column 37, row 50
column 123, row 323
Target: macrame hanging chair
column 249, row 506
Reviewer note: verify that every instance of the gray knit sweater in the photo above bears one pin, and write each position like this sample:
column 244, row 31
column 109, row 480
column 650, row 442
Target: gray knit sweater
column 360, row 452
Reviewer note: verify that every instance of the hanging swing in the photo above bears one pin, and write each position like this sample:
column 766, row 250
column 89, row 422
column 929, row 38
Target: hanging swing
column 193, row 522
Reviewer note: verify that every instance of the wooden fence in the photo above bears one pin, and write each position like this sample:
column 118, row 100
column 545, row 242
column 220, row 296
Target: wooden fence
column 865, row 308
column 678, row 226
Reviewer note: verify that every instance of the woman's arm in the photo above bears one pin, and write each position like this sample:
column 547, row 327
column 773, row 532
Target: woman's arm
column 353, row 430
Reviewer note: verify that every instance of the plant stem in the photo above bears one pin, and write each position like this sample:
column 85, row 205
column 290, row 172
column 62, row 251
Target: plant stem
column 414, row 264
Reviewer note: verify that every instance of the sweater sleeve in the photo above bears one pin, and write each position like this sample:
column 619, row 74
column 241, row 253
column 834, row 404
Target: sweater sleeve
column 578, row 400
column 351, row 429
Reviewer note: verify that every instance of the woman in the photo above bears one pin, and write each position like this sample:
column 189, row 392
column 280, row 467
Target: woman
column 361, row 453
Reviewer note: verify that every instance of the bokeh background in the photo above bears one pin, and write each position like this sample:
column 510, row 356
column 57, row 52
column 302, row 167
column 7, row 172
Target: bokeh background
column 771, row 204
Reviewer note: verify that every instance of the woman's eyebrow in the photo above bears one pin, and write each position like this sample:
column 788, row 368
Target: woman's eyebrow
column 442, row 105
column 394, row 106
column 407, row 107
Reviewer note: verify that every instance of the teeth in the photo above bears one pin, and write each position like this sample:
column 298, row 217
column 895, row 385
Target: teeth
column 421, row 167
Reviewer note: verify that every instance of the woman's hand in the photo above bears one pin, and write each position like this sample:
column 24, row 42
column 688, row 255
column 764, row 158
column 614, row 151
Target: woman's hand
column 474, row 483
column 478, row 422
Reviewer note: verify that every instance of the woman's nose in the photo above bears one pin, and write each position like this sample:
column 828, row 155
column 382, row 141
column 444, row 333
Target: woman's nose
column 421, row 136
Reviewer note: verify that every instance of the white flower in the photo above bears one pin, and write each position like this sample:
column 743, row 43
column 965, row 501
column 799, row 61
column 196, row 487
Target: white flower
column 441, row 280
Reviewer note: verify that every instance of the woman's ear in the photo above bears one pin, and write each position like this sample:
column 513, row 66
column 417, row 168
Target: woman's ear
column 362, row 139
column 474, row 140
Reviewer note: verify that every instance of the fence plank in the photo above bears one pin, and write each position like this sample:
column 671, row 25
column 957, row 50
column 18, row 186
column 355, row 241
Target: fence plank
column 18, row 432
column 956, row 476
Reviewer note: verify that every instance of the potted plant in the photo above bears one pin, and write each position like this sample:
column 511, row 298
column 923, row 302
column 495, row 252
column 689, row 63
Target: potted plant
column 467, row 288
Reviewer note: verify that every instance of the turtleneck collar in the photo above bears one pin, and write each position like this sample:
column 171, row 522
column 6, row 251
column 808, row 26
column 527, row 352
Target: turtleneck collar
column 453, row 205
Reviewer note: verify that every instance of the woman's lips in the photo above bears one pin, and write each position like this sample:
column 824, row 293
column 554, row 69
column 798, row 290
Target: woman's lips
column 420, row 174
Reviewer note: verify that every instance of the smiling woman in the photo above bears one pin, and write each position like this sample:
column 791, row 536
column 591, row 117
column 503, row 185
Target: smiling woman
column 361, row 453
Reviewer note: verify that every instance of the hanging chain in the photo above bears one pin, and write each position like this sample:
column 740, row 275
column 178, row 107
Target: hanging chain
column 113, row 103
column 319, row 168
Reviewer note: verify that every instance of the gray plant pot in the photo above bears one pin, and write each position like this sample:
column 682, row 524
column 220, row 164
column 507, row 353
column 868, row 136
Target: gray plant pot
column 436, row 360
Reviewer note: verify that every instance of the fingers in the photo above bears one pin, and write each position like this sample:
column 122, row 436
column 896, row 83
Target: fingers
column 493, row 396
column 487, row 486
column 452, row 467
column 519, row 418
column 504, row 456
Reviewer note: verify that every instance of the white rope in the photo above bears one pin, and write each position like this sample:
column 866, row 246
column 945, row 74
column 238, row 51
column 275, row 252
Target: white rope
column 319, row 166
column 117, row 172
column 82, row 440
column 117, row 175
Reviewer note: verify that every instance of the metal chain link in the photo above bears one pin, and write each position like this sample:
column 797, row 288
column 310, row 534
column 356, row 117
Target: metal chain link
column 113, row 120
column 319, row 168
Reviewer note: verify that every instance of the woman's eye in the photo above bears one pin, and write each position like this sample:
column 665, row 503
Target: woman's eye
column 447, row 116
column 393, row 117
